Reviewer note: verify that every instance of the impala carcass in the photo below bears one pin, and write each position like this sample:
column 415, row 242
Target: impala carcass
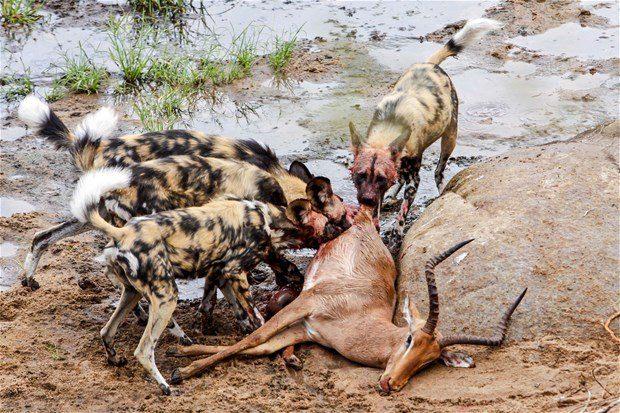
column 347, row 304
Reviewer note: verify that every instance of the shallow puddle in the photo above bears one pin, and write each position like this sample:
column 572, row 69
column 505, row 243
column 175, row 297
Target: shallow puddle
column 12, row 133
column 572, row 40
column 10, row 206
column 9, row 266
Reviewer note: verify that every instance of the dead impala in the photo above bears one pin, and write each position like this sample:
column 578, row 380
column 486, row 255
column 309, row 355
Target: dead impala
column 347, row 304
column 91, row 146
column 422, row 107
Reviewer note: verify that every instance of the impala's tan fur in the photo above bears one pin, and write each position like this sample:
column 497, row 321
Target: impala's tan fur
column 347, row 304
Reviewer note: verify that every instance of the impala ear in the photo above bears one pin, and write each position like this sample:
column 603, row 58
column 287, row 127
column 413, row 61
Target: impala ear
column 298, row 211
column 456, row 359
column 398, row 144
column 300, row 170
column 356, row 139
column 410, row 313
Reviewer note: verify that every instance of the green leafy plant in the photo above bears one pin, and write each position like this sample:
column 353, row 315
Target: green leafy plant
column 174, row 69
column 244, row 50
column 20, row 12
column 56, row 92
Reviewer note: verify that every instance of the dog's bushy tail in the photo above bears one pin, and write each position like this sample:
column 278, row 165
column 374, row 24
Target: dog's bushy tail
column 83, row 142
column 90, row 189
column 472, row 31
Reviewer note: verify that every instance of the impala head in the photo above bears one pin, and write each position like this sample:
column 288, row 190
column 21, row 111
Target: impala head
column 421, row 345
column 375, row 169
column 321, row 195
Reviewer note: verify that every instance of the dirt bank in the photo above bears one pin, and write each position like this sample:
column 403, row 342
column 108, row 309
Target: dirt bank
column 544, row 218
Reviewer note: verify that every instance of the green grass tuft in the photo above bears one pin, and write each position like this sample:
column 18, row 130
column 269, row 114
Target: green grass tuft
column 162, row 109
column 132, row 55
column 15, row 87
column 169, row 8
column 283, row 52
column 20, row 12
column 80, row 74
column 174, row 70
column 244, row 50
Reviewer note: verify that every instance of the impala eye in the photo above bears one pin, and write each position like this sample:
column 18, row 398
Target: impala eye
column 408, row 342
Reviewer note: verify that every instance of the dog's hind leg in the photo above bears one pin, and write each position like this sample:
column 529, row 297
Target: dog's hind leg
column 448, row 143
column 41, row 242
column 162, row 302
column 129, row 298
column 207, row 304
column 173, row 327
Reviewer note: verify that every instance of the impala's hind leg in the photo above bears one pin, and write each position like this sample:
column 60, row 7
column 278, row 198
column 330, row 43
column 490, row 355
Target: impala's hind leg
column 448, row 143
column 293, row 335
column 301, row 307
column 41, row 242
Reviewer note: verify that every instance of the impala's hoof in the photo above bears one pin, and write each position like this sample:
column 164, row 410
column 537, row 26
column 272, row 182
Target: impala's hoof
column 294, row 362
column 176, row 377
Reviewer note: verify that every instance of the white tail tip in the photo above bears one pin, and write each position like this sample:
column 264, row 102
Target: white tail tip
column 33, row 111
column 98, row 125
column 93, row 185
column 474, row 29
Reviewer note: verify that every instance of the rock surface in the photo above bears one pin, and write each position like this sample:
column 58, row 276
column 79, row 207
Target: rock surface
column 545, row 218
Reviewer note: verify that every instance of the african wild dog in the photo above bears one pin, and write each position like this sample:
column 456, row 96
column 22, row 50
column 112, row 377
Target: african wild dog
column 91, row 147
column 422, row 107
column 222, row 240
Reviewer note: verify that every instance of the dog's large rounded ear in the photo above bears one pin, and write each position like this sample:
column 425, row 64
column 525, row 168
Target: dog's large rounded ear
column 319, row 191
column 298, row 211
column 398, row 144
column 300, row 170
column 356, row 138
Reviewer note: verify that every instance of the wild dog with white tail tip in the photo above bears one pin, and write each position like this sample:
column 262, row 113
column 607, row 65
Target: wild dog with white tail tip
column 92, row 146
column 422, row 107
column 222, row 240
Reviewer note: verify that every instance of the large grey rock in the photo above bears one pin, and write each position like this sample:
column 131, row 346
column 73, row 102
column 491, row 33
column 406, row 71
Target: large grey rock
column 545, row 218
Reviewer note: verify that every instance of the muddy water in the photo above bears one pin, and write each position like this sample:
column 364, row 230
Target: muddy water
column 504, row 102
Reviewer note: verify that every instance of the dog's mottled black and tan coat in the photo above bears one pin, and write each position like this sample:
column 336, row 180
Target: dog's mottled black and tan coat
column 421, row 108
column 91, row 147
column 222, row 240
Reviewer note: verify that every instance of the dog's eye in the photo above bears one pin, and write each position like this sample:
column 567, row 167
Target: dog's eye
column 408, row 342
column 381, row 180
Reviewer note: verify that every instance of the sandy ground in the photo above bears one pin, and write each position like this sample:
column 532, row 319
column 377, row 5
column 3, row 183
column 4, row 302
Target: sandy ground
column 50, row 355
